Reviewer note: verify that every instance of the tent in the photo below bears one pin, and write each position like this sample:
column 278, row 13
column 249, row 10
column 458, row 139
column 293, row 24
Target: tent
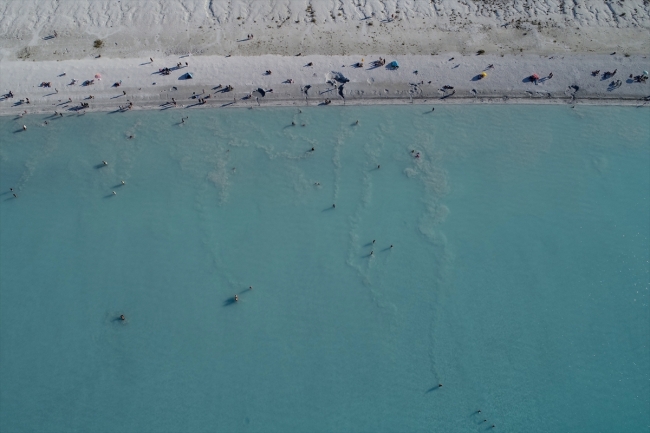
column 189, row 75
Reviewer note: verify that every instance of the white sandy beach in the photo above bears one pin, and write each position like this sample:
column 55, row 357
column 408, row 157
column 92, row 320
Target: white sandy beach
column 519, row 39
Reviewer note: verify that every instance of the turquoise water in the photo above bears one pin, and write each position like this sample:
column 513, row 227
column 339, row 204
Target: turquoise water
column 519, row 275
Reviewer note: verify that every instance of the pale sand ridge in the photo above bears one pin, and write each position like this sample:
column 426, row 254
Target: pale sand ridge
column 132, row 28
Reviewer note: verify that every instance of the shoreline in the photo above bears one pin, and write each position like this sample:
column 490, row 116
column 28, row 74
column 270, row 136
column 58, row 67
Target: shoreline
column 277, row 103
column 418, row 80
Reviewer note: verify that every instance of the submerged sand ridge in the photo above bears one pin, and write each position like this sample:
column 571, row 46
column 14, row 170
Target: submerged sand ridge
column 132, row 28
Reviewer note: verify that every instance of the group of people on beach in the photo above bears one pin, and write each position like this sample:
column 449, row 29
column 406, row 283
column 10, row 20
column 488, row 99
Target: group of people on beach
column 449, row 90
column 639, row 78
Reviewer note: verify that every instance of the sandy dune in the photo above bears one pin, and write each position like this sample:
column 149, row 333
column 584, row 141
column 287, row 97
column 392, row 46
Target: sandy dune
column 42, row 39
column 132, row 28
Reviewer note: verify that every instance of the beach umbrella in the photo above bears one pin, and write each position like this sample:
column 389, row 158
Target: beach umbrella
column 483, row 74
column 535, row 77
column 645, row 73
column 98, row 75
column 394, row 64
column 189, row 75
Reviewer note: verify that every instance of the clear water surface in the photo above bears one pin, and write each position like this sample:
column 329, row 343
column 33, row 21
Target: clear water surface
column 518, row 277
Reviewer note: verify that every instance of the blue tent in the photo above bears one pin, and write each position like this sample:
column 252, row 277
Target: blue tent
column 189, row 75
column 393, row 64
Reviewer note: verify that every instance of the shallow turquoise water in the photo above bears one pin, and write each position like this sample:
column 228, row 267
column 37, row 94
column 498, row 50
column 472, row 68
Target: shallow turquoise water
column 519, row 276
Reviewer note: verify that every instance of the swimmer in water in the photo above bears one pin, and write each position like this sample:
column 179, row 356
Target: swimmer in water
column 372, row 253
column 356, row 123
column 250, row 287
column 122, row 317
column 440, row 385
column 123, row 183
column 373, row 241
column 114, row 193
column 15, row 196
column 104, row 162
column 24, row 128
column 236, row 298
column 312, row 149
column 391, row 246
column 334, row 205
column 378, row 167
column 293, row 123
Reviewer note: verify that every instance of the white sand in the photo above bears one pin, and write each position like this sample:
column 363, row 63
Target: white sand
column 518, row 37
